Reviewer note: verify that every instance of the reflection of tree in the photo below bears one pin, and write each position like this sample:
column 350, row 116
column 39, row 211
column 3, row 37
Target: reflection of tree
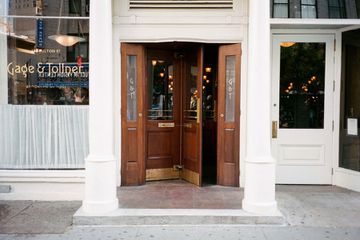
column 302, row 85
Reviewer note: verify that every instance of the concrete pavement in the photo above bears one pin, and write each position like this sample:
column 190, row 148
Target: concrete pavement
column 311, row 213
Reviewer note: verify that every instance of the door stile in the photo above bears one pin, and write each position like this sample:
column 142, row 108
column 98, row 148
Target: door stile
column 228, row 115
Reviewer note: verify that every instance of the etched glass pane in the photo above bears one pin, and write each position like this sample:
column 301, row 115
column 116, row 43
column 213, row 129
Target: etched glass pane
column 131, row 84
column 302, row 85
column 230, row 89
column 161, row 86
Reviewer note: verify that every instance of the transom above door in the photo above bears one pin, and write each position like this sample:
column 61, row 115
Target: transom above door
column 186, row 96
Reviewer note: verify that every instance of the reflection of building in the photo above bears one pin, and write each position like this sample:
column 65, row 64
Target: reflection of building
column 315, row 9
column 287, row 76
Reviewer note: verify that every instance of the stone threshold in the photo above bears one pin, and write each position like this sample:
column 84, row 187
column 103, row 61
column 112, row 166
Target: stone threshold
column 147, row 216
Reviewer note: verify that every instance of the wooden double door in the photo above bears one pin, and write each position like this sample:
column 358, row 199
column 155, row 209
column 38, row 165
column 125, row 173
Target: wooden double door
column 165, row 111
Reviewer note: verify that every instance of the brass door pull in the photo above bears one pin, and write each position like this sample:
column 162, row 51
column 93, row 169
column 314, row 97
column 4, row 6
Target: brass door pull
column 274, row 129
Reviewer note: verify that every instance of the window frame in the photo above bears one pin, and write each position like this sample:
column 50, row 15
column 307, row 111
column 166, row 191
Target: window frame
column 279, row 4
column 309, row 5
column 341, row 8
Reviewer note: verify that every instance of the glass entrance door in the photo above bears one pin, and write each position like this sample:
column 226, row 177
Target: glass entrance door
column 302, row 103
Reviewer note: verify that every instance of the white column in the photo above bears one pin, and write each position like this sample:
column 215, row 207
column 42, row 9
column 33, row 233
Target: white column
column 100, row 178
column 259, row 193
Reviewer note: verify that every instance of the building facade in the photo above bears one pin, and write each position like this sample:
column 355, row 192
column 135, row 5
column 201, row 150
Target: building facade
column 230, row 92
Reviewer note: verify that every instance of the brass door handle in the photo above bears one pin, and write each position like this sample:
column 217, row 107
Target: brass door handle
column 274, row 129
column 222, row 115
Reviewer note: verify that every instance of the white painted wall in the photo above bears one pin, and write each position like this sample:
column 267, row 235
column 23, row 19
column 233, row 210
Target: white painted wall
column 207, row 26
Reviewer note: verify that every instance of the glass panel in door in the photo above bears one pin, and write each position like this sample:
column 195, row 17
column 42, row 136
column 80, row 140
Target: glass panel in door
column 302, row 85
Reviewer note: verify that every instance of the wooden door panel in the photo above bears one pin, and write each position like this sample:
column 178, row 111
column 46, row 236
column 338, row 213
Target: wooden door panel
column 228, row 116
column 132, row 123
column 192, row 117
column 162, row 121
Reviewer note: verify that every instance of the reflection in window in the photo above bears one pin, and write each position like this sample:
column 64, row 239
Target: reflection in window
column 302, row 79
column 350, row 102
column 75, row 7
column 281, row 9
column 50, row 73
column 337, row 9
column 308, row 9
column 161, row 84
column 45, row 7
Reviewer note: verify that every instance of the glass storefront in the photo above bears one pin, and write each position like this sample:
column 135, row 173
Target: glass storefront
column 350, row 102
column 47, row 58
column 44, row 63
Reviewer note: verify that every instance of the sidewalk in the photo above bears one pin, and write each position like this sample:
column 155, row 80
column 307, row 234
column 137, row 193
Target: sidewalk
column 311, row 212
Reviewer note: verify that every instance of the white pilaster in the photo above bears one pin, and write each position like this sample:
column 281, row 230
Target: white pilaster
column 100, row 178
column 259, row 193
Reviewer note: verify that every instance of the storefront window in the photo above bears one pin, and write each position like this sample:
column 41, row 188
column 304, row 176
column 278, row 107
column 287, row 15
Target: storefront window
column 46, row 7
column 350, row 102
column 47, row 58
column 44, row 63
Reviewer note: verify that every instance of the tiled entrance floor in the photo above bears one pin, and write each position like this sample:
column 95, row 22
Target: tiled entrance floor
column 179, row 194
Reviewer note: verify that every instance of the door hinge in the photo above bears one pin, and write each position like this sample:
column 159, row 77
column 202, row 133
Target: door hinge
column 333, row 125
column 332, row 171
column 333, row 85
column 334, row 45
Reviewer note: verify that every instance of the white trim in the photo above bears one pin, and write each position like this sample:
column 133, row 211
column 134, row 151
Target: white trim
column 342, row 177
column 304, row 21
column 347, row 179
column 44, row 191
column 43, row 17
column 349, row 28
column 337, row 105
column 75, row 176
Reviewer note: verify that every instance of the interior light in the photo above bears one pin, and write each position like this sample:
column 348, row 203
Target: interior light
column 153, row 62
column 208, row 69
column 287, row 44
column 66, row 40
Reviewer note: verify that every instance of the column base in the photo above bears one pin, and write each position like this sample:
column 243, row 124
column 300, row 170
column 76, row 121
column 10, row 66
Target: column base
column 100, row 207
column 259, row 191
column 100, row 185
column 267, row 209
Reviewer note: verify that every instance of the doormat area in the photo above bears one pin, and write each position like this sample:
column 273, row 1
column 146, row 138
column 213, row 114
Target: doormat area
column 36, row 217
